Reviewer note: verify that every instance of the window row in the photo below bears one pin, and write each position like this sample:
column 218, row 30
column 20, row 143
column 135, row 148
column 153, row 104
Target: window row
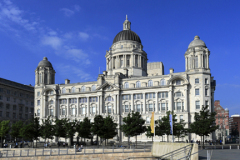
column 197, row 93
column 150, row 83
column 82, row 89
column 197, row 81
column 8, row 99
column 15, row 93
column 14, row 115
column 81, row 100
column 14, row 108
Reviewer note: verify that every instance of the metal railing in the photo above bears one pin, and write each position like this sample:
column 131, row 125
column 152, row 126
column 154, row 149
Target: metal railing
column 68, row 151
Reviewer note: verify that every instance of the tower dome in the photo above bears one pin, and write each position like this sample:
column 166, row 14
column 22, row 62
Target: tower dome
column 126, row 33
column 197, row 42
column 45, row 63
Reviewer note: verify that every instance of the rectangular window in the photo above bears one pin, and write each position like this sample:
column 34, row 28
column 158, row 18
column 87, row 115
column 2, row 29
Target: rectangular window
column 126, row 97
column 14, row 115
column 20, row 116
column 126, row 108
column 138, row 96
column 31, row 103
column 32, row 110
column 178, row 94
column 63, row 111
column 206, row 92
column 0, row 97
column 26, row 116
column 196, row 92
column 73, row 111
column 51, row 112
column 163, row 106
column 148, row 120
column 8, row 98
column 38, row 94
column 150, row 107
column 1, row 90
column 196, row 80
column 7, row 106
column 206, row 81
column 83, row 110
column 14, row 100
column 8, row 91
column 197, row 104
column 63, row 101
column 181, row 117
column 178, row 105
column 38, row 102
column 7, row 114
column 138, row 108
column 73, row 100
column 206, row 103
column 150, row 95
column 26, row 109
column 14, row 107
column 0, row 113
column 128, row 63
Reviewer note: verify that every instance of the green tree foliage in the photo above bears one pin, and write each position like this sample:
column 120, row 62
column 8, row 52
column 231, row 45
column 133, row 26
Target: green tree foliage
column 60, row 127
column 97, row 126
column 4, row 129
column 84, row 128
column 47, row 129
column 133, row 125
column 179, row 131
column 70, row 128
column 15, row 129
column 149, row 133
column 108, row 129
column 204, row 123
column 159, row 130
column 26, row 131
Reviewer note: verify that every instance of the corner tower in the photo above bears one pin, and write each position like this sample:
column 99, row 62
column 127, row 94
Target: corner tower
column 197, row 56
column 44, row 74
column 126, row 54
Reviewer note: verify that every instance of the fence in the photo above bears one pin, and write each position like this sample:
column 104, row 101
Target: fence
column 31, row 152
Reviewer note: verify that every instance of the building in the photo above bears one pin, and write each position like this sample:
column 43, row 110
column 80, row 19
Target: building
column 16, row 101
column 222, row 119
column 130, row 84
column 234, row 122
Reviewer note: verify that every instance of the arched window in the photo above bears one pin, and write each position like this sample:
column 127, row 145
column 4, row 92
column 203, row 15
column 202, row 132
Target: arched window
column 162, row 82
column 109, row 98
column 126, row 85
column 93, row 88
column 73, row 89
column 51, row 102
column 64, row 90
column 83, row 89
column 138, row 84
column 150, row 83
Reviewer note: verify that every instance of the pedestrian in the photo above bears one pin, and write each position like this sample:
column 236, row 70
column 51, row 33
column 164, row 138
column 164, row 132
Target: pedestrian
column 81, row 146
column 64, row 144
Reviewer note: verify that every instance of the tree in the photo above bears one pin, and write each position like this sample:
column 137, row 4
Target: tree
column 133, row 125
column 4, row 129
column 47, row 129
column 70, row 129
column 159, row 130
column 204, row 123
column 84, row 128
column 60, row 127
column 15, row 129
column 149, row 133
column 26, row 131
column 108, row 129
column 36, row 128
column 97, row 126
column 179, row 130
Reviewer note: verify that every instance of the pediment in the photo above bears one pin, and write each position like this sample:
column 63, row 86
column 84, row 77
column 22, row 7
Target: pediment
column 107, row 86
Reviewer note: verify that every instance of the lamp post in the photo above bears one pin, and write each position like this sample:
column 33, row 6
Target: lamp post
column 223, row 126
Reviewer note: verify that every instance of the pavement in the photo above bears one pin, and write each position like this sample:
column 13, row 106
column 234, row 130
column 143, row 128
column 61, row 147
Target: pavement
column 219, row 154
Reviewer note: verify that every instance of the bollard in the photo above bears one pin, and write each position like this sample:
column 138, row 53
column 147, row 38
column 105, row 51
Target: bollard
column 20, row 153
column 112, row 149
column 230, row 147
column 58, row 151
column 43, row 152
column 84, row 151
column 222, row 147
column 51, row 152
column 10, row 146
column 74, row 146
column 28, row 153
column 7, row 154
column 93, row 150
column 13, row 153
column 238, row 147
column 144, row 147
column 67, row 151
column 35, row 151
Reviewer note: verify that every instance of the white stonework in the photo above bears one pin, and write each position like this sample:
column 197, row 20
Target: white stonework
column 130, row 84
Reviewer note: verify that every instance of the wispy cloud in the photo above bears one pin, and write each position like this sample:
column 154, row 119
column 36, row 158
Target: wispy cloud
column 67, row 70
column 69, row 12
column 30, row 32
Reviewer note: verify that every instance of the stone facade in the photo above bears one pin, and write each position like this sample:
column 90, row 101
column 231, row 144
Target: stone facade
column 16, row 101
column 234, row 122
column 131, row 84
column 222, row 119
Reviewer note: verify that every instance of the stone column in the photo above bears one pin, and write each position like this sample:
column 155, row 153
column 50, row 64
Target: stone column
column 77, row 106
column 118, row 103
column 186, row 98
column 140, row 61
column 67, row 107
column 144, row 103
column 186, row 63
column 115, row 104
column 36, row 78
column 170, row 103
column 101, row 104
column 111, row 63
column 207, row 66
column 88, row 107
column 134, row 60
column 44, row 107
column 156, row 103
column 132, row 104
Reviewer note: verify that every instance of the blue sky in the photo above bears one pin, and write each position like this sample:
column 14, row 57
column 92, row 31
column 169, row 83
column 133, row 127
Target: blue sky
column 75, row 35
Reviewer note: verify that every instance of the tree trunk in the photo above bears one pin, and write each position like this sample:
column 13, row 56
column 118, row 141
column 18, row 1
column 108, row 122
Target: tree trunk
column 167, row 138
column 203, row 142
column 105, row 141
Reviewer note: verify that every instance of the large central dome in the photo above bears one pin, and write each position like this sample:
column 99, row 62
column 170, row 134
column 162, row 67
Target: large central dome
column 127, row 34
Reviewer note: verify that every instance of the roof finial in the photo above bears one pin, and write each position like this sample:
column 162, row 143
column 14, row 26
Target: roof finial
column 126, row 17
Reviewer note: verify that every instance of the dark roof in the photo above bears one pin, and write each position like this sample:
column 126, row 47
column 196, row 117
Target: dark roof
column 127, row 35
column 45, row 63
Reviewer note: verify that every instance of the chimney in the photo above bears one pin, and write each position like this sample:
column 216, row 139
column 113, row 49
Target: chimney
column 67, row 81
column 171, row 70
